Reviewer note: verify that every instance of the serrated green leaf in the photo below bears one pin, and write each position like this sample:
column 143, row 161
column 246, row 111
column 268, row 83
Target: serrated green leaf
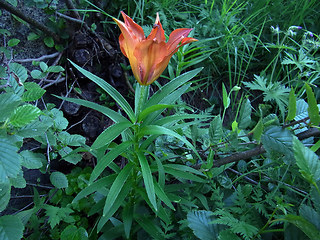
column 244, row 118
column 73, row 158
column 19, row 70
column 19, row 181
column 59, row 180
column 71, row 232
column 307, row 161
column 117, row 187
column 10, row 161
column 74, row 140
column 59, row 121
column 32, row 160
column 13, row 42
column 277, row 139
column 11, row 228
column 48, row 41
column 57, row 214
column 33, row 92
column 200, row 223
column 24, row 115
column 292, row 107
column 313, row 108
column 216, row 130
column 35, row 128
column 308, row 228
column 147, row 178
column 310, row 214
column 5, row 190
column 8, row 103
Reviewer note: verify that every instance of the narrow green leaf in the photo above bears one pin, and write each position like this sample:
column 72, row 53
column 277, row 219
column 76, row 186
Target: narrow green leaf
column 127, row 217
column 307, row 161
column 108, row 158
column 11, row 228
column 313, row 108
column 151, row 109
column 171, row 86
column 159, row 130
column 110, row 90
column 116, row 188
column 258, row 130
column 24, row 115
column 114, row 116
column 181, row 174
column 110, row 134
column 147, row 178
column 162, row 195
column 117, row 204
column 292, row 107
column 59, row 180
column 225, row 97
column 149, row 226
column 95, row 187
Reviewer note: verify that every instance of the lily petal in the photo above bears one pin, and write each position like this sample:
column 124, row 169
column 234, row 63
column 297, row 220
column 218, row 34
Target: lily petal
column 157, row 32
column 176, row 37
column 134, row 28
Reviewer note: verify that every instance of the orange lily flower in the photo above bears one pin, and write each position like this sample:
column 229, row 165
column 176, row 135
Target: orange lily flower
column 149, row 56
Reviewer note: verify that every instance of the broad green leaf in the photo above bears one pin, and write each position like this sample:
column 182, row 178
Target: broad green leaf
column 108, row 158
column 114, row 116
column 216, row 130
column 32, row 36
column 36, row 128
column 59, row 180
column 48, row 41
column 313, row 108
column 258, row 130
column 43, row 66
column 37, row 74
column 228, row 235
column 147, row 178
column 225, row 97
column 307, row 161
column 55, row 69
column 13, row 42
column 277, row 139
column 110, row 134
column 19, row 181
column 110, row 90
column 310, row 214
column 5, row 190
column 13, row 2
column 292, row 107
column 75, row 140
column 308, row 228
column 33, row 92
column 117, row 204
column 19, row 70
column 171, row 86
column 67, row 155
column 116, row 188
column 59, row 121
column 8, row 103
column 159, row 130
column 71, row 232
column 11, row 228
column 10, row 161
column 244, row 118
column 94, row 187
column 32, row 160
column 200, row 223
column 24, row 115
